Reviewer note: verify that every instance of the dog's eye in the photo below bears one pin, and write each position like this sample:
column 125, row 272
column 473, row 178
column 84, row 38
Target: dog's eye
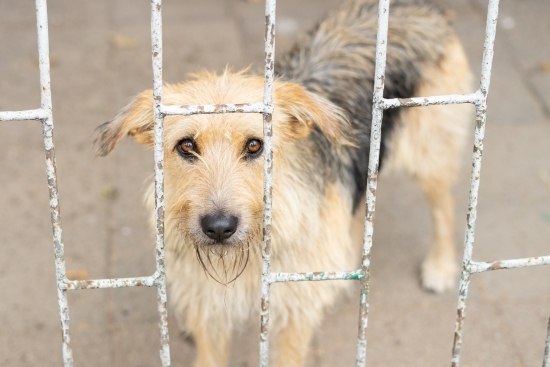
column 187, row 145
column 187, row 148
column 253, row 148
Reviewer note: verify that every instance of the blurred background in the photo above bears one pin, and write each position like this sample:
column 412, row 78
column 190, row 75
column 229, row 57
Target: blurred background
column 100, row 56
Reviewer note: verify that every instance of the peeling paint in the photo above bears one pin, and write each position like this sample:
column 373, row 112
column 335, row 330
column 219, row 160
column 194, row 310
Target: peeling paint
column 316, row 276
column 429, row 101
column 268, row 179
column 546, row 359
column 374, row 157
column 158, row 148
column 257, row 107
column 481, row 110
column 479, row 267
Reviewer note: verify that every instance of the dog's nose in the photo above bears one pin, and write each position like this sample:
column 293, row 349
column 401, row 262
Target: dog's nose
column 219, row 227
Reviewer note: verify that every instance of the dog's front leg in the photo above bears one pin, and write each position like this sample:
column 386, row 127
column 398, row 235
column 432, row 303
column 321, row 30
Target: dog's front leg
column 212, row 339
column 439, row 269
column 293, row 343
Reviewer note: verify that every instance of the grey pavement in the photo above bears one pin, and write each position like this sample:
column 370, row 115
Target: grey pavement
column 100, row 55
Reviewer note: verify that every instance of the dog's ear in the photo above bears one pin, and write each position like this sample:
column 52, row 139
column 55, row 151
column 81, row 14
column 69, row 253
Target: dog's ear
column 136, row 120
column 304, row 109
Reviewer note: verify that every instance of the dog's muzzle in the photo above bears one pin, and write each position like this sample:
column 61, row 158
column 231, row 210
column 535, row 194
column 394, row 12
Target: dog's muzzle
column 219, row 227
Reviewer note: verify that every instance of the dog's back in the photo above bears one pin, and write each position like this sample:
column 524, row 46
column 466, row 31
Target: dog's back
column 336, row 60
column 424, row 57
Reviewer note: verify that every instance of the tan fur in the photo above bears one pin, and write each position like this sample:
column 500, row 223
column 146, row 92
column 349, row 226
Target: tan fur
column 307, row 108
column 221, row 180
column 427, row 145
column 291, row 341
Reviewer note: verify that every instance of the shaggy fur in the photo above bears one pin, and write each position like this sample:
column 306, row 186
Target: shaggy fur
column 321, row 122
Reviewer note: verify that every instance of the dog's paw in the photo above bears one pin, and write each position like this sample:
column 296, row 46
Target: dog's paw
column 438, row 275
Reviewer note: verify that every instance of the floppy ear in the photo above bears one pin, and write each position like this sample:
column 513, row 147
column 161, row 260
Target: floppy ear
column 305, row 109
column 136, row 120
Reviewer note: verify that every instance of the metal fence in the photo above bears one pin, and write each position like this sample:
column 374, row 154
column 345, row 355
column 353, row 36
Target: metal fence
column 469, row 267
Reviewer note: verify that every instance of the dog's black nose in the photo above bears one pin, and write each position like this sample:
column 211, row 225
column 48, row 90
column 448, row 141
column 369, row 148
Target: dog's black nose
column 219, row 227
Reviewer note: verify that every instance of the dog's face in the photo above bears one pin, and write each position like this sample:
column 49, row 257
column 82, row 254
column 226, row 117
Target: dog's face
column 214, row 163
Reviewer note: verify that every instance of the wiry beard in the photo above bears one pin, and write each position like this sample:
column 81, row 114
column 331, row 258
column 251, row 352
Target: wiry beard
column 223, row 263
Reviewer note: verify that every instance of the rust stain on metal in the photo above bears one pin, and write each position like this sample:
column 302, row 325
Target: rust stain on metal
column 496, row 265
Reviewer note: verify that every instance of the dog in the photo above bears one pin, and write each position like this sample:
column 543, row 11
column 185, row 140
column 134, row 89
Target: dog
column 321, row 121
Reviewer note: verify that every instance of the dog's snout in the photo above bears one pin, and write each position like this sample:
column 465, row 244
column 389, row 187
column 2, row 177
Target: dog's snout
column 219, row 227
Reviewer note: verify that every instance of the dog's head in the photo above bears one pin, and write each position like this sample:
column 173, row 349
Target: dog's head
column 214, row 163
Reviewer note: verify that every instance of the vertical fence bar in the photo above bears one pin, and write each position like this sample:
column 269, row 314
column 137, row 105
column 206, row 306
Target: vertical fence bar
column 51, row 172
column 156, row 45
column 268, row 179
column 546, row 360
column 481, row 116
column 488, row 48
column 470, row 231
column 374, row 156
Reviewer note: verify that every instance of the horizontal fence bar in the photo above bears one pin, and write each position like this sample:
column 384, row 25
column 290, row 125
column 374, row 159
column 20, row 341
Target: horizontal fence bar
column 316, row 276
column 479, row 267
column 257, row 107
column 150, row 281
column 280, row 277
column 433, row 100
column 38, row 114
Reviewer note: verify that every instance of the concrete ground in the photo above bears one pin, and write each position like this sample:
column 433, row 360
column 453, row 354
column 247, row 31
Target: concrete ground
column 100, row 55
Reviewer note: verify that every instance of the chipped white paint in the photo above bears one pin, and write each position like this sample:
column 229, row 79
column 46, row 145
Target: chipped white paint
column 316, row 276
column 47, row 129
column 372, row 180
column 481, row 116
column 151, row 281
column 156, row 43
column 39, row 114
column 268, row 179
column 546, row 359
column 478, row 267
column 429, row 101
column 258, row 107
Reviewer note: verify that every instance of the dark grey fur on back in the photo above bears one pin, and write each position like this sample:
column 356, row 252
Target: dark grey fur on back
column 336, row 60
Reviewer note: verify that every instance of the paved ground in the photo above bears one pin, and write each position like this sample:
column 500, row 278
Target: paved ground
column 100, row 57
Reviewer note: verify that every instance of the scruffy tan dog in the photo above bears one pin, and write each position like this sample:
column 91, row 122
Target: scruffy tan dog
column 321, row 121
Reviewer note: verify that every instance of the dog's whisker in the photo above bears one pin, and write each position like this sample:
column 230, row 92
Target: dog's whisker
column 242, row 269
column 208, row 253
column 230, row 261
column 202, row 262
